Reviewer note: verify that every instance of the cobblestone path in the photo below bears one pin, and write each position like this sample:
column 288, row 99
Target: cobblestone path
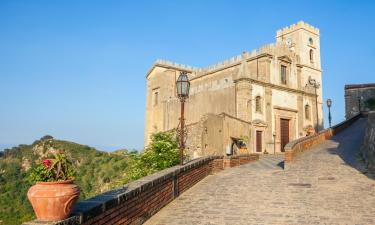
column 326, row 185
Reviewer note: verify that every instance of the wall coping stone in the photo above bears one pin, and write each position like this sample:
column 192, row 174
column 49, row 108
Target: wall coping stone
column 291, row 146
column 94, row 206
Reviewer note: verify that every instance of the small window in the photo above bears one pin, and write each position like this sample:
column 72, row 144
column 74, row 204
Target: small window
column 156, row 98
column 311, row 41
column 258, row 104
column 283, row 74
column 307, row 112
column 311, row 55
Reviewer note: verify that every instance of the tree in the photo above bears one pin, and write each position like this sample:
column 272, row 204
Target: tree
column 162, row 153
column 46, row 137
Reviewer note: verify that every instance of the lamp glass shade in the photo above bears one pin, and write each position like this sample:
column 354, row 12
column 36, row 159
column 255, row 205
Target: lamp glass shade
column 329, row 102
column 183, row 85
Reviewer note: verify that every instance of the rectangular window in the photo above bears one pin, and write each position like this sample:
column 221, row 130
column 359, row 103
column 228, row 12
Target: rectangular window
column 156, row 96
column 283, row 74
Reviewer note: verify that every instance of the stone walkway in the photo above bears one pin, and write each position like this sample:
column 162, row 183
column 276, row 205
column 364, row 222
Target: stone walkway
column 326, row 185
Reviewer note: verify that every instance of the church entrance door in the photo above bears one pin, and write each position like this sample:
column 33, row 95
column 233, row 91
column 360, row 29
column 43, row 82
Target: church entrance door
column 259, row 141
column 284, row 133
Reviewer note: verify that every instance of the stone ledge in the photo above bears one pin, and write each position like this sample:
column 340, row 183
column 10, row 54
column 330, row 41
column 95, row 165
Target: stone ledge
column 97, row 205
column 293, row 148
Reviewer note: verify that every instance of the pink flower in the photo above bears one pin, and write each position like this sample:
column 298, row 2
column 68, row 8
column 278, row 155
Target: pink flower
column 47, row 162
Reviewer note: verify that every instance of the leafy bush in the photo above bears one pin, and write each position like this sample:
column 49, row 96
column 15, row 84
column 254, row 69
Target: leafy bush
column 57, row 169
column 46, row 137
column 162, row 153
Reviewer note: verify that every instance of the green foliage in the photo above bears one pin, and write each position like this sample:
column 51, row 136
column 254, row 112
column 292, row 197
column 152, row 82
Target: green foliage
column 162, row 153
column 370, row 103
column 46, row 137
column 96, row 171
column 41, row 173
column 57, row 169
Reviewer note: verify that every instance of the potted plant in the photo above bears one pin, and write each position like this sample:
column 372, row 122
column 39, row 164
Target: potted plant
column 54, row 194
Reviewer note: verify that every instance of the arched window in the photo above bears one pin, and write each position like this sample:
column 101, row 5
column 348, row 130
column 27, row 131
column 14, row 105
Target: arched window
column 311, row 41
column 258, row 104
column 307, row 112
column 311, row 55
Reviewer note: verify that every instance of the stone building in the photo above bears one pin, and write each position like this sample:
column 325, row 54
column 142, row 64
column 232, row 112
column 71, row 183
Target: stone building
column 356, row 96
column 260, row 100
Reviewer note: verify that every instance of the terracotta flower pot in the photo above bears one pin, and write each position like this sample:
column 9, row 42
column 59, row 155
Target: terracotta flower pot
column 53, row 201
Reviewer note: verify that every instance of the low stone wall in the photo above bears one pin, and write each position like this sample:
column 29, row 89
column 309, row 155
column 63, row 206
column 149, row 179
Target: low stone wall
column 237, row 160
column 368, row 148
column 139, row 200
column 296, row 147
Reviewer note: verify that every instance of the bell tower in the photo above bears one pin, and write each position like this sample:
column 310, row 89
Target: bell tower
column 304, row 40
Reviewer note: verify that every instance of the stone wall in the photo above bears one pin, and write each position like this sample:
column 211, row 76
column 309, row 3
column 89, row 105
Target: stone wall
column 296, row 147
column 356, row 96
column 368, row 148
column 139, row 200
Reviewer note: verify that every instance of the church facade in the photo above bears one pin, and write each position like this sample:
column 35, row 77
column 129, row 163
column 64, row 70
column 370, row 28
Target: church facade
column 255, row 102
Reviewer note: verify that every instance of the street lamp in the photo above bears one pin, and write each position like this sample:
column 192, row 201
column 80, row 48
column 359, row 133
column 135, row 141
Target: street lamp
column 274, row 142
column 329, row 104
column 183, row 86
column 313, row 83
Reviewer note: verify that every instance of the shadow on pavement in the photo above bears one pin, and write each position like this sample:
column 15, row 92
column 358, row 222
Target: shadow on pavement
column 349, row 144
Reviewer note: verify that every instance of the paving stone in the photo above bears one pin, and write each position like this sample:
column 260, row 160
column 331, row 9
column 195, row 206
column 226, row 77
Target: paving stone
column 329, row 188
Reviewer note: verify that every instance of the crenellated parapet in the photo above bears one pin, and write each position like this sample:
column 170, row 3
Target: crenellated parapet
column 299, row 25
column 277, row 49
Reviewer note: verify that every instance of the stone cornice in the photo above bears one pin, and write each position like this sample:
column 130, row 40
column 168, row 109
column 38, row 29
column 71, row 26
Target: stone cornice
column 285, row 109
column 275, row 86
column 310, row 67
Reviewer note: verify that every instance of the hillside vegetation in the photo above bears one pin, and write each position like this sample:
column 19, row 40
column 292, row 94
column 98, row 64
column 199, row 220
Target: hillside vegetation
column 96, row 171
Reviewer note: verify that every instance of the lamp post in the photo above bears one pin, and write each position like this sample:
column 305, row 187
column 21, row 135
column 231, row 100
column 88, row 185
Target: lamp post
column 313, row 83
column 274, row 142
column 329, row 104
column 183, row 87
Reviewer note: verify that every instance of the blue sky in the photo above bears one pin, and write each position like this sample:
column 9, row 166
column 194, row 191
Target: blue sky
column 75, row 69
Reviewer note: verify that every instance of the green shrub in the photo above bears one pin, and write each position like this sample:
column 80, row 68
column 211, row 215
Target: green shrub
column 162, row 153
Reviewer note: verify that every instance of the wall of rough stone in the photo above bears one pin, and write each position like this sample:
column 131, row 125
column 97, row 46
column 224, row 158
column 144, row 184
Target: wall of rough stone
column 368, row 148
column 355, row 97
column 213, row 134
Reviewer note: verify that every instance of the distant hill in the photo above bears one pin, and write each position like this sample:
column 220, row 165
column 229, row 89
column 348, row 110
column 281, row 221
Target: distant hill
column 97, row 171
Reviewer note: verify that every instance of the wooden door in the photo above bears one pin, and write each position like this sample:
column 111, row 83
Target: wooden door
column 284, row 133
column 259, row 141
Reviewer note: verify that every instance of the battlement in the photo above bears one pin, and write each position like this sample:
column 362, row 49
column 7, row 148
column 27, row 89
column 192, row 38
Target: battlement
column 297, row 26
column 272, row 49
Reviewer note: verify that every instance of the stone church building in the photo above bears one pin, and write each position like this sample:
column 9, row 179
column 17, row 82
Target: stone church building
column 255, row 102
